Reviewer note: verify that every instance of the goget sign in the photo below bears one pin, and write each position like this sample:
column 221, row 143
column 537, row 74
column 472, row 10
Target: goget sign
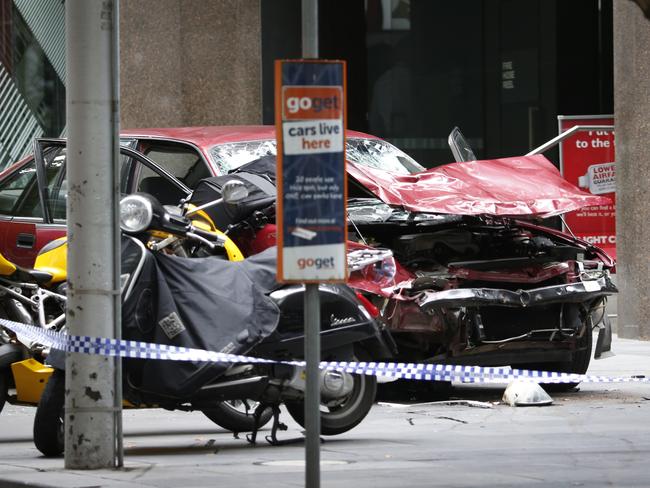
column 587, row 160
column 310, row 129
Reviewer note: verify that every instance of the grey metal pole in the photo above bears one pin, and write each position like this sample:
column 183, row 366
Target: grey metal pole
column 117, row 298
column 309, row 29
column 312, row 301
column 91, row 406
column 312, row 393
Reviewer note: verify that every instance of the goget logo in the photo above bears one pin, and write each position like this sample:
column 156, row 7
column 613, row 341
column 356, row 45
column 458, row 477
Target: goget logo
column 318, row 263
column 311, row 102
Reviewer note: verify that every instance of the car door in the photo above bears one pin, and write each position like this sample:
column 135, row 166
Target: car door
column 20, row 213
column 33, row 197
column 26, row 223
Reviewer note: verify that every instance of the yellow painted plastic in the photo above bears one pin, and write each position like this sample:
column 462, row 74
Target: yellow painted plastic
column 7, row 268
column 30, row 377
column 158, row 234
column 204, row 222
column 54, row 261
column 232, row 250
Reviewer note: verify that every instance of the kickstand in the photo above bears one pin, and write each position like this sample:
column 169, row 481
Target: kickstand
column 277, row 425
column 257, row 415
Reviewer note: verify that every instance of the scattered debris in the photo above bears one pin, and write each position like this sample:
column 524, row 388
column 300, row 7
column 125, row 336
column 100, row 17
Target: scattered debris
column 453, row 419
column 466, row 403
column 526, row 394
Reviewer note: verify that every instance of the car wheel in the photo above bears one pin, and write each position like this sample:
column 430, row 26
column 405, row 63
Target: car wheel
column 346, row 414
column 236, row 416
column 48, row 422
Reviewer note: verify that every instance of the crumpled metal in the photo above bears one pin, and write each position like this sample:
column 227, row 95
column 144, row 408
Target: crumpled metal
column 517, row 186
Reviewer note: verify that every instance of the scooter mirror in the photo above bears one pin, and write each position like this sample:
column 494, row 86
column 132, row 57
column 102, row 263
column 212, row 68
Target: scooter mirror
column 234, row 191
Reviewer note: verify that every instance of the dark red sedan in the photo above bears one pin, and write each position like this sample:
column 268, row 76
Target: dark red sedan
column 483, row 281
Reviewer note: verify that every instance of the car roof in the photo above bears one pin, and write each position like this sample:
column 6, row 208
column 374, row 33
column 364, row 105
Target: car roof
column 203, row 137
column 209, row 136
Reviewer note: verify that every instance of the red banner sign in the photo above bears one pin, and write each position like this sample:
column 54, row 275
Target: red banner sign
column 587, row 161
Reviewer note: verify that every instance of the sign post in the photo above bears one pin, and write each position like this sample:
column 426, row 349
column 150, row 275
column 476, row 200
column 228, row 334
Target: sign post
column 587, row 160
column 312, row 228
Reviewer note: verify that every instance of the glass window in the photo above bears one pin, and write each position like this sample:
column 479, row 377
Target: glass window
column 425, row 70
column 19, row 193
column 184, row 162
column 160, row 187
column 374, row 153
column 55, row 176
column 378, row 154
column 231, row 156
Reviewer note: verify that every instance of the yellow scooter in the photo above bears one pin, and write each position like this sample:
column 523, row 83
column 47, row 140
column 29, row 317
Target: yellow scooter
column 37, row 297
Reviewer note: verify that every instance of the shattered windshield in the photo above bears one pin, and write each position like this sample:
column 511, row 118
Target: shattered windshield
column 379, row 154
column 373, row 153
column 231, row 156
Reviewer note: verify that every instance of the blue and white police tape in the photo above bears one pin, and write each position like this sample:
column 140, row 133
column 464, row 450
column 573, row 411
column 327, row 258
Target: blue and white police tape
column 412, row 371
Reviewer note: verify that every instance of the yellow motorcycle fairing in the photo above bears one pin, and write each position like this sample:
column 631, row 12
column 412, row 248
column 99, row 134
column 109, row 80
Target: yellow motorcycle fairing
column 53, row 259
column 202, row 220
column 44, row 275
column 30, row 377
column 7, row 268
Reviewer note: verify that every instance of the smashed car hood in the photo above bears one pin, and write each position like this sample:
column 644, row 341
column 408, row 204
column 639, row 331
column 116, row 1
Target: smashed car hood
column 520, row 186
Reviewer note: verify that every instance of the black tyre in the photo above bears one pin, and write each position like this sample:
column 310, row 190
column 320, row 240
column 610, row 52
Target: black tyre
column 346, row 415
column 48, row 422
column 233, row 415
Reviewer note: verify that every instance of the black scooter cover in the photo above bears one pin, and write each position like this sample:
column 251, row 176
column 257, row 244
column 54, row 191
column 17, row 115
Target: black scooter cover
column 205, row 303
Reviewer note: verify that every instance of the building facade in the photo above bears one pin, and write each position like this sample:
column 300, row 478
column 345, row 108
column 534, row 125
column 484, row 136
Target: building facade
column 501, row 70
column 32, row 74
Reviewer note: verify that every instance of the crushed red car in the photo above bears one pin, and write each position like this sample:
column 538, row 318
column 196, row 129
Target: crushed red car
column 469, row 274
column 472, row 277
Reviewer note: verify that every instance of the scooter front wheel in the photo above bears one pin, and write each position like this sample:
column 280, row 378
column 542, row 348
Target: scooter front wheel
column 48, row 422
column 237, row 415
column 346, row 414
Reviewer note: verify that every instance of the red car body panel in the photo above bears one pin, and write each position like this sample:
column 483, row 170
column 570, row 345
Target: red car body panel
column 526, row 185
column 523, row 186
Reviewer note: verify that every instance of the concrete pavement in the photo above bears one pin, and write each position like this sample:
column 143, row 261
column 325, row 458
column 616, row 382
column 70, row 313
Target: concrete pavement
column 596, row 436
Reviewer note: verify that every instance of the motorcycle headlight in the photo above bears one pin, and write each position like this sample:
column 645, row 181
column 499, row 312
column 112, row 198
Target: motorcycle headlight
column 136, row 213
